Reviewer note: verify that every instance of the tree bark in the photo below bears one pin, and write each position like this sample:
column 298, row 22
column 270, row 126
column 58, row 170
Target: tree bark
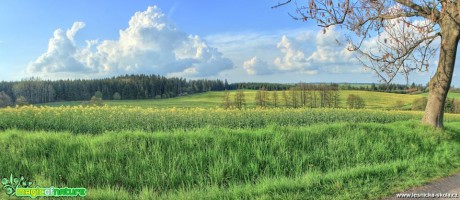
column 440, row 82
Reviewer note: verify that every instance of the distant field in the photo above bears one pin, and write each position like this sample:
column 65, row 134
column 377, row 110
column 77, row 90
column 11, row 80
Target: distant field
column 455, row 95
column 374, row 100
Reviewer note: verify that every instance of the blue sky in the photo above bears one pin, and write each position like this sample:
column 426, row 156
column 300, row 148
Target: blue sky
column 237, row 40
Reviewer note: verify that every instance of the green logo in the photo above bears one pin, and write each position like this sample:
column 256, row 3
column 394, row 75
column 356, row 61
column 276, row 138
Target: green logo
column 21, row 187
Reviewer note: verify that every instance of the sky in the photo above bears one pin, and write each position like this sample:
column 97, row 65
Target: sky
column 241, row 41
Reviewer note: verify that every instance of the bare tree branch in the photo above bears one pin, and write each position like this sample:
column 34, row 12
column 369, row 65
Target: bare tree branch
column 281, row 4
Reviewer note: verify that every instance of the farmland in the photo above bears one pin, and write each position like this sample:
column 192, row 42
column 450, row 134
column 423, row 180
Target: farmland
column 213, row 153
column 228, row 100
column 95, row 120
column 374, row 100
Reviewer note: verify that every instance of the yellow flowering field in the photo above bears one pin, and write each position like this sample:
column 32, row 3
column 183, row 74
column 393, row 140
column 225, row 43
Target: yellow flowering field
column 79, row 119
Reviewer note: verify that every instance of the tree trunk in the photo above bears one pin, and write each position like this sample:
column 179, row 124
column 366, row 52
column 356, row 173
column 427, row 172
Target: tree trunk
column 440, row 82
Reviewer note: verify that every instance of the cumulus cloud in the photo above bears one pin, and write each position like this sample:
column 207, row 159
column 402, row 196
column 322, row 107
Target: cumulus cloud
column 73, row 31
column 150, row 44
column 331, row 56
column 61, row 53
column 256, row 66
column 314, row 53
column 293, row 58
column 300, row 51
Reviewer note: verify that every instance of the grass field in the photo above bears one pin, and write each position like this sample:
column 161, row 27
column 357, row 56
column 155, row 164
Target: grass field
column 455, row 95
column 339, row 161
column 374, row 100
column 151, row 150
column 108, row 118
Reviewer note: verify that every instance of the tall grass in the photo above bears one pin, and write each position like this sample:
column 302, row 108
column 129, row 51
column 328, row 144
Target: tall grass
column 341, row 160
column 100, row 119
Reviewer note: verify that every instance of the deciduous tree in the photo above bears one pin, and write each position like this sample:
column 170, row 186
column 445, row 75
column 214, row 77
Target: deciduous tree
column 355, row 102
column 406, row 35
column 240, row 101
column 116, row 96
column 5, row 99
column 21, row 101
column 227, row 102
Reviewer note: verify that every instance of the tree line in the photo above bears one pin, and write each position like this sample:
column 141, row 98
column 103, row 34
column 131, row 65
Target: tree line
column 127, row 87
column 391, row 87
column 300, row 96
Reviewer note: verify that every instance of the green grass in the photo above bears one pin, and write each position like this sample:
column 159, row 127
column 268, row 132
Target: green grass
column 96, row 120
column 339, row 161
column 203, row 100
column 373, row 100
column 380, row 100
column 186, row 148
column 455, row 95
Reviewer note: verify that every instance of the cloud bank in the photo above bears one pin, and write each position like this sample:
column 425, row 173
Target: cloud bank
column 297, row 51
column 150, row 44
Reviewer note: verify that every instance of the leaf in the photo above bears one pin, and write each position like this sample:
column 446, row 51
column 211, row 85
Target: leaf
column 4, row 181
column 9, row 191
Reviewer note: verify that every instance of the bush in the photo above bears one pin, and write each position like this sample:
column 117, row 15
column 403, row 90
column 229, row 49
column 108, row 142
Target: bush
column 98, row 94
column 456, row 107
column 355, row 102
column 96, row 101
column 21, row 101
column 116, row 96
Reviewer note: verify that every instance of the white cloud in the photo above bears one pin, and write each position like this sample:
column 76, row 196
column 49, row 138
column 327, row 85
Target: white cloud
column 299, row 51
column 75, row 28
column 309, row 72
column 312, row 54
column 293, row 58
column 332, row 57
column 256, row 66
column 61, row 54
column 150, row 44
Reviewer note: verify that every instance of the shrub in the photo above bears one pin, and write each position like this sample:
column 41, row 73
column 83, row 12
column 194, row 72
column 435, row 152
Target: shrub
column 96, row 101
column 21, row 101
column 116, row 96
column 456, row 107
column 355, row 102
column 98, row 94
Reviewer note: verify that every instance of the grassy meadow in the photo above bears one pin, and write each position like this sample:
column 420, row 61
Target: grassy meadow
column 374, row 100
column 152, row 150
column 340, row 161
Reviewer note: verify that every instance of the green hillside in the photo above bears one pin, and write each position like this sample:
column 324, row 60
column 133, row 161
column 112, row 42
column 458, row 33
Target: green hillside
column 374, row 100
